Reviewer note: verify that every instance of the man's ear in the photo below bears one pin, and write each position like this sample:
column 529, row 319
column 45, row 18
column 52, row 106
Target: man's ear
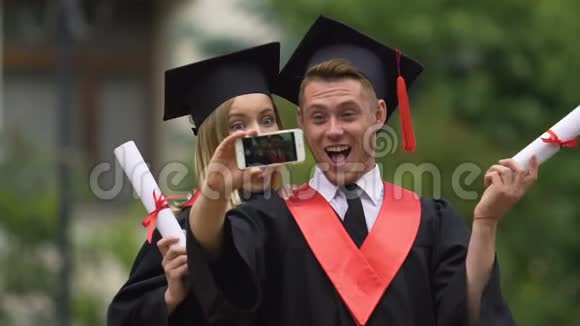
column 381, row 113
column 299, row 118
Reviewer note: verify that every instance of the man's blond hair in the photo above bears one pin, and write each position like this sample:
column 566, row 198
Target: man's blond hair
column 336, row 69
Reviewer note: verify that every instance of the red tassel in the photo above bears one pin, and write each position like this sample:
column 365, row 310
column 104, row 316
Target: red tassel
column 409, row 142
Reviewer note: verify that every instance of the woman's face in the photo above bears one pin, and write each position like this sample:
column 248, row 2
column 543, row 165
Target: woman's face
column 254, row 112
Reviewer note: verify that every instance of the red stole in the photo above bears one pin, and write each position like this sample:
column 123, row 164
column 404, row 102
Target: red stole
column 361, row 276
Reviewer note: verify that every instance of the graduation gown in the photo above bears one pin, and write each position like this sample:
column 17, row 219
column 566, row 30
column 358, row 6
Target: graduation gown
column 141, row 299
column 267, row 273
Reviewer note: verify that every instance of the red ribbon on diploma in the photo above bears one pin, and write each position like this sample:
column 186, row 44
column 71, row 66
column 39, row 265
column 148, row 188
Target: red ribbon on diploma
column 192, row 200
column 150, row 222
column 553, row 139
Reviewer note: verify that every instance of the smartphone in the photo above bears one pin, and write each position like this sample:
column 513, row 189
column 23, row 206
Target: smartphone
column 280, row 147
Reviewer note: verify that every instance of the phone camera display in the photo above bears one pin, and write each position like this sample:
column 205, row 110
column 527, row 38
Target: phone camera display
column 269, row 149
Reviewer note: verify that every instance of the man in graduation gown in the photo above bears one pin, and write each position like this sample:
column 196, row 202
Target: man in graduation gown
column 348, row 248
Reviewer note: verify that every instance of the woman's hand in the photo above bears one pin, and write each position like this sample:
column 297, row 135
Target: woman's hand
column 175, row 267
column 223, row 176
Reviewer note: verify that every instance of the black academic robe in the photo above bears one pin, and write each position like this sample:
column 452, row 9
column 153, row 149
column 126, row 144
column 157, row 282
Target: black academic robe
column 266, row 273
column 140, row 301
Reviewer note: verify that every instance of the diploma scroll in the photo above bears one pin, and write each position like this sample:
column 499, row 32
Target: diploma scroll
column 560, row 135
column 147, row 189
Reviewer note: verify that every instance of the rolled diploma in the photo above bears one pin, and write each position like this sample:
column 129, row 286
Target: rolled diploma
column 566, row 129
column 144, row 184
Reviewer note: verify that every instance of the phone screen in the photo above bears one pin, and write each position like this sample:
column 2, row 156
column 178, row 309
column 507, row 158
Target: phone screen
column 270, row 149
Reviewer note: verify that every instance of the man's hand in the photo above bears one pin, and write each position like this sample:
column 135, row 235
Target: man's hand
column 506, row 183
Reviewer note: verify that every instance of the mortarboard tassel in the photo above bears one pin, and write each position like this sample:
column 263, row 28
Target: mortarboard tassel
column 409, row 143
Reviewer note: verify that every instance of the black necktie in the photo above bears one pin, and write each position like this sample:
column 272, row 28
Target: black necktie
column 354, row 219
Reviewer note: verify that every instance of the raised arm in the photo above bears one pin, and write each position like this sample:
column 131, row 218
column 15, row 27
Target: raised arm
column 224, row 252
column 506, row 183
column 223, row 177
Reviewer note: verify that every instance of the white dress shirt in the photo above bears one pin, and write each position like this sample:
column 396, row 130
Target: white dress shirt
column 371, row 198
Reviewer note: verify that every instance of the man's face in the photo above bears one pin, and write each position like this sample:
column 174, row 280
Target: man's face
column 339, row 120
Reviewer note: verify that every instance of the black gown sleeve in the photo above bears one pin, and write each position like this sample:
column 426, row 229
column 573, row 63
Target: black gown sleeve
column 228, row 286
column 140, row 301
column 449, row 276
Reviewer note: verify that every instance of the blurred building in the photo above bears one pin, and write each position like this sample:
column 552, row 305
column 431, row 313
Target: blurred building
column 111, row 64
column 120, row 51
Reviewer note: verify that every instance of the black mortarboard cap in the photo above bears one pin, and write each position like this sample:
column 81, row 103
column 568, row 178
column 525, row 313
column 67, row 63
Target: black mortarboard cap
column 389, row 71
column 199, row 88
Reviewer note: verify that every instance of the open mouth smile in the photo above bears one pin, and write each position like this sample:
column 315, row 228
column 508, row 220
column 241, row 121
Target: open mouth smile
column 338, row 153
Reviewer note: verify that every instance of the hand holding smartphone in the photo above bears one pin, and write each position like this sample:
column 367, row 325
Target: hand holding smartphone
column 276, row 148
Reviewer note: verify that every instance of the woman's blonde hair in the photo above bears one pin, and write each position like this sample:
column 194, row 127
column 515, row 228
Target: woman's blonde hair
column 211, row 133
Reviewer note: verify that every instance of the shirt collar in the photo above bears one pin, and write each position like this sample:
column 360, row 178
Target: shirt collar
column 371, row 183
column 320, row 183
